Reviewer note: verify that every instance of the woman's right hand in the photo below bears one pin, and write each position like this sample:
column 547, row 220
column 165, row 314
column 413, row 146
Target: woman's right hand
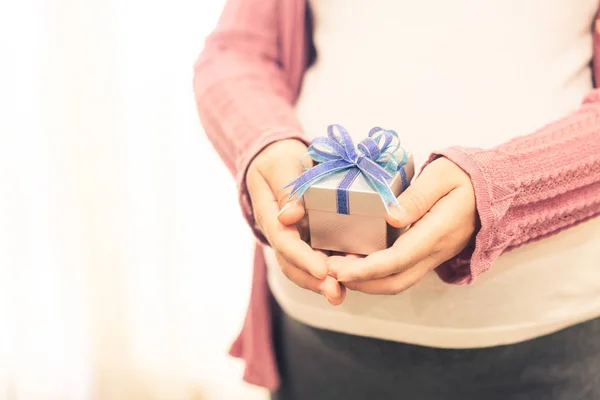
column 278, row 218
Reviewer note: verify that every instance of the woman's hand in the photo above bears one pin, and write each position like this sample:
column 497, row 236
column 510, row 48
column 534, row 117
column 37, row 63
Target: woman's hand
column 279, row 219
column 440, row 204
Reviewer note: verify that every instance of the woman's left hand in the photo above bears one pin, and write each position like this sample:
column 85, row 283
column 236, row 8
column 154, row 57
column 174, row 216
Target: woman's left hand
column 440, row 204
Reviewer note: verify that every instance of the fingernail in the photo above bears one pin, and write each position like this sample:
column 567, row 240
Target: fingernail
column 332, row 268
column 398, row 213
column 322, row 292
column 320, row 275
column 285, row 207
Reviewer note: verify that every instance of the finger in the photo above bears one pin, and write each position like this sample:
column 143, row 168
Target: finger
column 328, row 287
column 285, row 170
column 281, row 165
column 333, row 291
column 440, row 235
column 342, row 298
column 394, row 284
column 336, row 262
column 431, row 185
column 288, row 242
column 301, row 278
column 416, row 244
column 291, row 212
column 284, row 239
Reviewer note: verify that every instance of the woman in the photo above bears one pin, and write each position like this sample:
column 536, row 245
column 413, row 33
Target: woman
column 505, row 90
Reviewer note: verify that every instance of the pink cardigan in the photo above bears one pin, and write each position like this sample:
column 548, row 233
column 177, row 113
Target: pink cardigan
column 246, row 82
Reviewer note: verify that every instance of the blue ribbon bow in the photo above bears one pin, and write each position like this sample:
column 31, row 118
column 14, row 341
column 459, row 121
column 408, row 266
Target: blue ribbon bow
column 336, row 153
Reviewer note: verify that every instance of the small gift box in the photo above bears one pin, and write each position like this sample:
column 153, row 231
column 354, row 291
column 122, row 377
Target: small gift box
column 348, row 193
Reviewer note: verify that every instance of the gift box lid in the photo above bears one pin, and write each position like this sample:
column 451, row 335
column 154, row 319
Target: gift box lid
column 362, row 199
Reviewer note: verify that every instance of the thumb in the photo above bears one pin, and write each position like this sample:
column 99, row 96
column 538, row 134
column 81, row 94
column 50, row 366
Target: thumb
column 285, row 165
column 419, row 197
column 291, row 212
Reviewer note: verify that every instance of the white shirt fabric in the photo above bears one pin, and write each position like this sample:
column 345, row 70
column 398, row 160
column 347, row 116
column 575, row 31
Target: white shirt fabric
column 463, row 72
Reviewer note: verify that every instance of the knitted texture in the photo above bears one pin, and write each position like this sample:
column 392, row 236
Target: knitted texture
column 243, row 94
column 529, row 188
column 246, row 81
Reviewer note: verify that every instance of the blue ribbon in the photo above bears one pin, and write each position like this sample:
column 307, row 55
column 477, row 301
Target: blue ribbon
column 336, row 153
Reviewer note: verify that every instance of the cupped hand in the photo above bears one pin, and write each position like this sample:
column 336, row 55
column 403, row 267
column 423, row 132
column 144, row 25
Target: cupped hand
column 440, row 205
column 280, row 219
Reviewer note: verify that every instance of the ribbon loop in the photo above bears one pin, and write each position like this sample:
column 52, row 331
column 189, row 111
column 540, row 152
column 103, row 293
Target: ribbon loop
column 369, row 148
column 336, row 153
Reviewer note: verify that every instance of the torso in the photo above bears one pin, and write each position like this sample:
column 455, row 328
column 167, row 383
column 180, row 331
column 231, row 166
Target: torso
column 467, row 73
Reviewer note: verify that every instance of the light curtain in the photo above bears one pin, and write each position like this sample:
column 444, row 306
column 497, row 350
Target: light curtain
column 117, row 275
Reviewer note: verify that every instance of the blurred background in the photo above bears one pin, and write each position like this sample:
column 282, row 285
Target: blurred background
column 124, row 262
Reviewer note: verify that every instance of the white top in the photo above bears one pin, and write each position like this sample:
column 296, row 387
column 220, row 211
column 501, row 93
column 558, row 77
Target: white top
column 463, row 72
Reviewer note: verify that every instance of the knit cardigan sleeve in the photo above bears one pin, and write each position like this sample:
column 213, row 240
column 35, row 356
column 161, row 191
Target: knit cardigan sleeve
column 530, row 187
column 242, row 93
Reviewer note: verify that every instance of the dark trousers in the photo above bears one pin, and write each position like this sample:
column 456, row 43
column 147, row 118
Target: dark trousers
column 317, row 364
